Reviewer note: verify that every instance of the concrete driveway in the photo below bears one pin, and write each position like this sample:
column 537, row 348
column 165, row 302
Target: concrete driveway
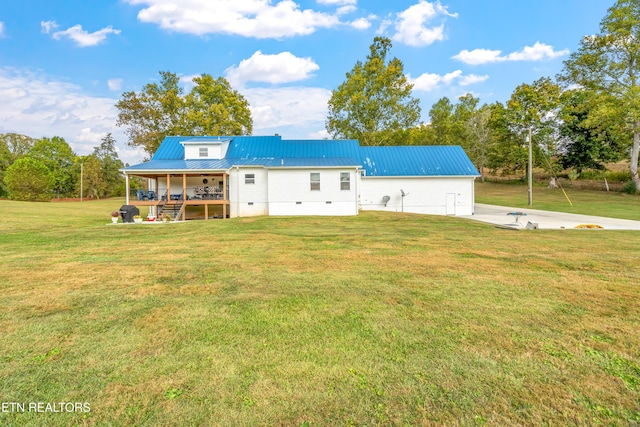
column 546, row 220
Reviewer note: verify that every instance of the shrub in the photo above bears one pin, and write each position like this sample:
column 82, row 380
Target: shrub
column 592, row 174
column 29, row 179
column 629, row 187
column 619, row 176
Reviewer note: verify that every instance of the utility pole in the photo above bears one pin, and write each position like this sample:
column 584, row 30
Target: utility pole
column 530, row 170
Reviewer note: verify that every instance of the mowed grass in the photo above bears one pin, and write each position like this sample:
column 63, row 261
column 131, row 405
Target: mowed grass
column 587, row 202
column 379, row 319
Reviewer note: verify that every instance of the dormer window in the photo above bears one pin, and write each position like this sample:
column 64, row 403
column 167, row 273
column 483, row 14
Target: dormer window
column 205, row 147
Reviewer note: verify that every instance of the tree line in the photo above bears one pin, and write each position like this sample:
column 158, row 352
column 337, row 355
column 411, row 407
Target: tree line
column 46, row 168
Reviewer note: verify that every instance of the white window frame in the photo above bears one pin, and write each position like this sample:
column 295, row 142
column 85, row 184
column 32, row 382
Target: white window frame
column 345, row 184
column 314, row 181
column 203, row 152
column 249, row 178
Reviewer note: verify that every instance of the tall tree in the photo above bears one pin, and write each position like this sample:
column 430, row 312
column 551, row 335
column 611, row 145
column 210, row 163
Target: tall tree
column 214, row 108
column 506, row 152
column 16, row 144
column 585, row 144
column 441, row 115
column 58, row 157
column 12, row 147
column 110, row 166
column 95, row 184
column 29, row 179
column 159, row 110
column 477, row 130
column 533, row 109
column 608, row 63
column 374, row 104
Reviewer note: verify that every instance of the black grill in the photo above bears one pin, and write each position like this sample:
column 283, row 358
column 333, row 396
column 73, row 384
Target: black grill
column 127, row 212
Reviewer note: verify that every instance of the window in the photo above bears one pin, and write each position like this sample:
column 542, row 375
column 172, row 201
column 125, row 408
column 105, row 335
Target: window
column 249, row 178
column 204, row 152
column 345, row 181
column 315, row 181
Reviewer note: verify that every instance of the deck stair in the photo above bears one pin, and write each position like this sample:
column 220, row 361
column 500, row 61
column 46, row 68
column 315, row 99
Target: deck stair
column 173, row 208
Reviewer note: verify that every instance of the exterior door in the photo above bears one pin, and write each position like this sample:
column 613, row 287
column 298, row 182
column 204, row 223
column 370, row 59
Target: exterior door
column 451, row 203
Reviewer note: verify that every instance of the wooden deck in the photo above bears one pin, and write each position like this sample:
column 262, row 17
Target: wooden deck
column 190, row 203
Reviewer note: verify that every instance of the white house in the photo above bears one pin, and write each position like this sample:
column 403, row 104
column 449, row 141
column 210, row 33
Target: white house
column 236, row 176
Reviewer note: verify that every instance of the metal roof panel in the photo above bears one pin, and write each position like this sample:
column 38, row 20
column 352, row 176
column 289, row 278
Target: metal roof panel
column 417, row 161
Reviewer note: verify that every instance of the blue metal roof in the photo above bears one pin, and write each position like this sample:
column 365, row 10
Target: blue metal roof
column 274, row 146
column 273, row 152
column 421, row 160
column 168, row 165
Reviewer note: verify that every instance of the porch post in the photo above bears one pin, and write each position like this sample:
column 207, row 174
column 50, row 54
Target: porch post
column 156, row 188
column 127, row 188
column 224, row 196
column 184, row 196
column 168, row 187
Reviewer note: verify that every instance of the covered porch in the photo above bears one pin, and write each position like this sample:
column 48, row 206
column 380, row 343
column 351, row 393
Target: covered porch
column 183, row 196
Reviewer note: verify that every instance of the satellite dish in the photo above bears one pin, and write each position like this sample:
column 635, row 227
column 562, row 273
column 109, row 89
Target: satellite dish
column 403, row 193
column 385, row 200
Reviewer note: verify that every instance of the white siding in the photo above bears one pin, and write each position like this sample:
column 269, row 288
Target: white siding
column 248, row 199
column 423, row 195
column 290, row 193
column 215, row 150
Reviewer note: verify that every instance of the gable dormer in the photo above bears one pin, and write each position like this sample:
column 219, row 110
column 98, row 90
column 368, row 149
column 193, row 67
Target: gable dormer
column 205, row 148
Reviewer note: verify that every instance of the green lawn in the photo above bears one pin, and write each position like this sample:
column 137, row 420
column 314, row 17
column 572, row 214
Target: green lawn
column 379, row 319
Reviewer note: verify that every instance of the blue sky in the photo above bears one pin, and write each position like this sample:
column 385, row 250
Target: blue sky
column 65, row 63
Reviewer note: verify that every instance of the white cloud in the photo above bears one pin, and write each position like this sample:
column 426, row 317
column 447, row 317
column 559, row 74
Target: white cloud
column 425, row 82
column 36, row 105
column 450, row 77
column 81, row 37
column 48, row 26
column 428, row 81
column 249, row 18
column 411, row 28
column 386, row 23
column 345, row 10
column 321, row 134
column 114, row 84
column 1, row 29
column 361, row 23
column 89, row 136
column 537, row 52
column 338, row 2
column 273, row 108
column 281, row 68
column 473, row 79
